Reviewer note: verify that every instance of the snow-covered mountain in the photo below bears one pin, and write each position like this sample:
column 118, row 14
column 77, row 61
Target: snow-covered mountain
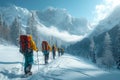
column 63, row 20
column 108, row 23
column 11, row 12
column 57, row 23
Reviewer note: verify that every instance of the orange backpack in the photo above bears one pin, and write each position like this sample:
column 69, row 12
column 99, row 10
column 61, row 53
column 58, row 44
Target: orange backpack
column 45, row 45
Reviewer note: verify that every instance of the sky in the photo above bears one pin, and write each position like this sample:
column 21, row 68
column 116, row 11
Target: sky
column 77, row 8
column 92, row 10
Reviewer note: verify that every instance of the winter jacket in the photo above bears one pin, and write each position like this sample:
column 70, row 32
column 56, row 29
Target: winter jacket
column 29, row 56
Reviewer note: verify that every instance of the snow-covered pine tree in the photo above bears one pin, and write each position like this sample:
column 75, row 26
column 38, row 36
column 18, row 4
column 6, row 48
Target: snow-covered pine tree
column 6, row 31
column 56, row 43
column 108, row 59
column 92, row 51
column 1, row 25
column 1, row 20
column 14, row 31
column 32, row 28
column 118, row 48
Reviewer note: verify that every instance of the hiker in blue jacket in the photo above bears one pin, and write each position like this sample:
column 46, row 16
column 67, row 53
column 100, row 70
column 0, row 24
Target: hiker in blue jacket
column 28, row 55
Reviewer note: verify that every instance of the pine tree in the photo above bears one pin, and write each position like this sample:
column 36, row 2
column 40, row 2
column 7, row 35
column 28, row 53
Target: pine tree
column 92, row 51
column 32, row 29
column 1, row 20
column 6, row 31
column 118, row 48
column 108, row 59
column 15, row 31
column 1, row 26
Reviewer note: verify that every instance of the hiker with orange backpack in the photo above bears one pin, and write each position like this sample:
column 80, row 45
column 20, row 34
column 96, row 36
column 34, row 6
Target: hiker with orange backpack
column 27, row 45
column 45, row 50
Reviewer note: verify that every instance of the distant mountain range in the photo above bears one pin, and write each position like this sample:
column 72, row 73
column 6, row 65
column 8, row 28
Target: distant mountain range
column 110, row 24
column 53, row 18
column 58, row 18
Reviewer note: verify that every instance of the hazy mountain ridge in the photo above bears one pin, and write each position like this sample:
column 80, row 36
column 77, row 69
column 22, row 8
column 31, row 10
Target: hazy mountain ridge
column 61, row 19
column 58, row 18
column 109, row 25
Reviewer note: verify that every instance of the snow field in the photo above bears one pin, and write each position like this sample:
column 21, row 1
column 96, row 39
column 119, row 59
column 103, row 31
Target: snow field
column 66, row 67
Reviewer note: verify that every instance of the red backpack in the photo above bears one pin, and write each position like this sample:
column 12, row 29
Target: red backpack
column 25, row 44
column 45, row 45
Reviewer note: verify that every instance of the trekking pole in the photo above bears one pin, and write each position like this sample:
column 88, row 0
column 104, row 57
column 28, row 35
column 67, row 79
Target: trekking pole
column 22, row 68
column 38, row 61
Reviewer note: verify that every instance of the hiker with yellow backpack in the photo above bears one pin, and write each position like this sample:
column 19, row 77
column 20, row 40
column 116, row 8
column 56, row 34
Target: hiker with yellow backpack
column 27, row 46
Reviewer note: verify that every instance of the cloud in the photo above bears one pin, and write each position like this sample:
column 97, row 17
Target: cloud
column 63, row 35
column 103, row 10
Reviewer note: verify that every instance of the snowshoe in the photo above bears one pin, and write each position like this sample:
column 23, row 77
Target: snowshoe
column 46, row 63
column 27, row 75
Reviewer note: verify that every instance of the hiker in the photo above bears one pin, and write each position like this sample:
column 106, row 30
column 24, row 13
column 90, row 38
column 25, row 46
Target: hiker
column 59, row 52
column 62, row 51
column 54, row 51
column 27, row 45
column 45, row 50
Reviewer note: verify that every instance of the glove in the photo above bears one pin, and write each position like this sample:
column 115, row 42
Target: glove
column 37, row 50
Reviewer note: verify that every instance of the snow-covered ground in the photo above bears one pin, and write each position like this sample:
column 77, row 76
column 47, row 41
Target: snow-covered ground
column 65, row 67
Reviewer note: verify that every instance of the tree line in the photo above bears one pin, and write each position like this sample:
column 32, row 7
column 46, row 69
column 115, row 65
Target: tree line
column 103, row 50
column 11, row 32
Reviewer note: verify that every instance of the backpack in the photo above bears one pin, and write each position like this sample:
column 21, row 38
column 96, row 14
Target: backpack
column 45, row 46
column 25, row 44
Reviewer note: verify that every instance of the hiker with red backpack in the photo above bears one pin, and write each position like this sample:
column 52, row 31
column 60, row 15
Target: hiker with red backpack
column 27, row 45
column 62, row 51
column 45, row 50
column 59, row 52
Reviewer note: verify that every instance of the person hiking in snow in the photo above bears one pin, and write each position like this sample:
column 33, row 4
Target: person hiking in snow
column 45, row 50
column 59, row 52
column 54, row 51
column 62, row 51
column 27, row 45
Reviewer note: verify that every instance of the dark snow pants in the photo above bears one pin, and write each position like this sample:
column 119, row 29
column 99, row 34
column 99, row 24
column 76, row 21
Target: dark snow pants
column 46, row 56
column 28, row 62
column 54, row 55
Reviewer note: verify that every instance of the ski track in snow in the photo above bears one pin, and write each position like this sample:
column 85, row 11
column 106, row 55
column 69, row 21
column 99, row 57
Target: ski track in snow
column 65, row 67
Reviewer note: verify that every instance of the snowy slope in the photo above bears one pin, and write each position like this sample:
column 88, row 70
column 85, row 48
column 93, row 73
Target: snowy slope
column 108, row 22
column 68, row 67
column 65, row 67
